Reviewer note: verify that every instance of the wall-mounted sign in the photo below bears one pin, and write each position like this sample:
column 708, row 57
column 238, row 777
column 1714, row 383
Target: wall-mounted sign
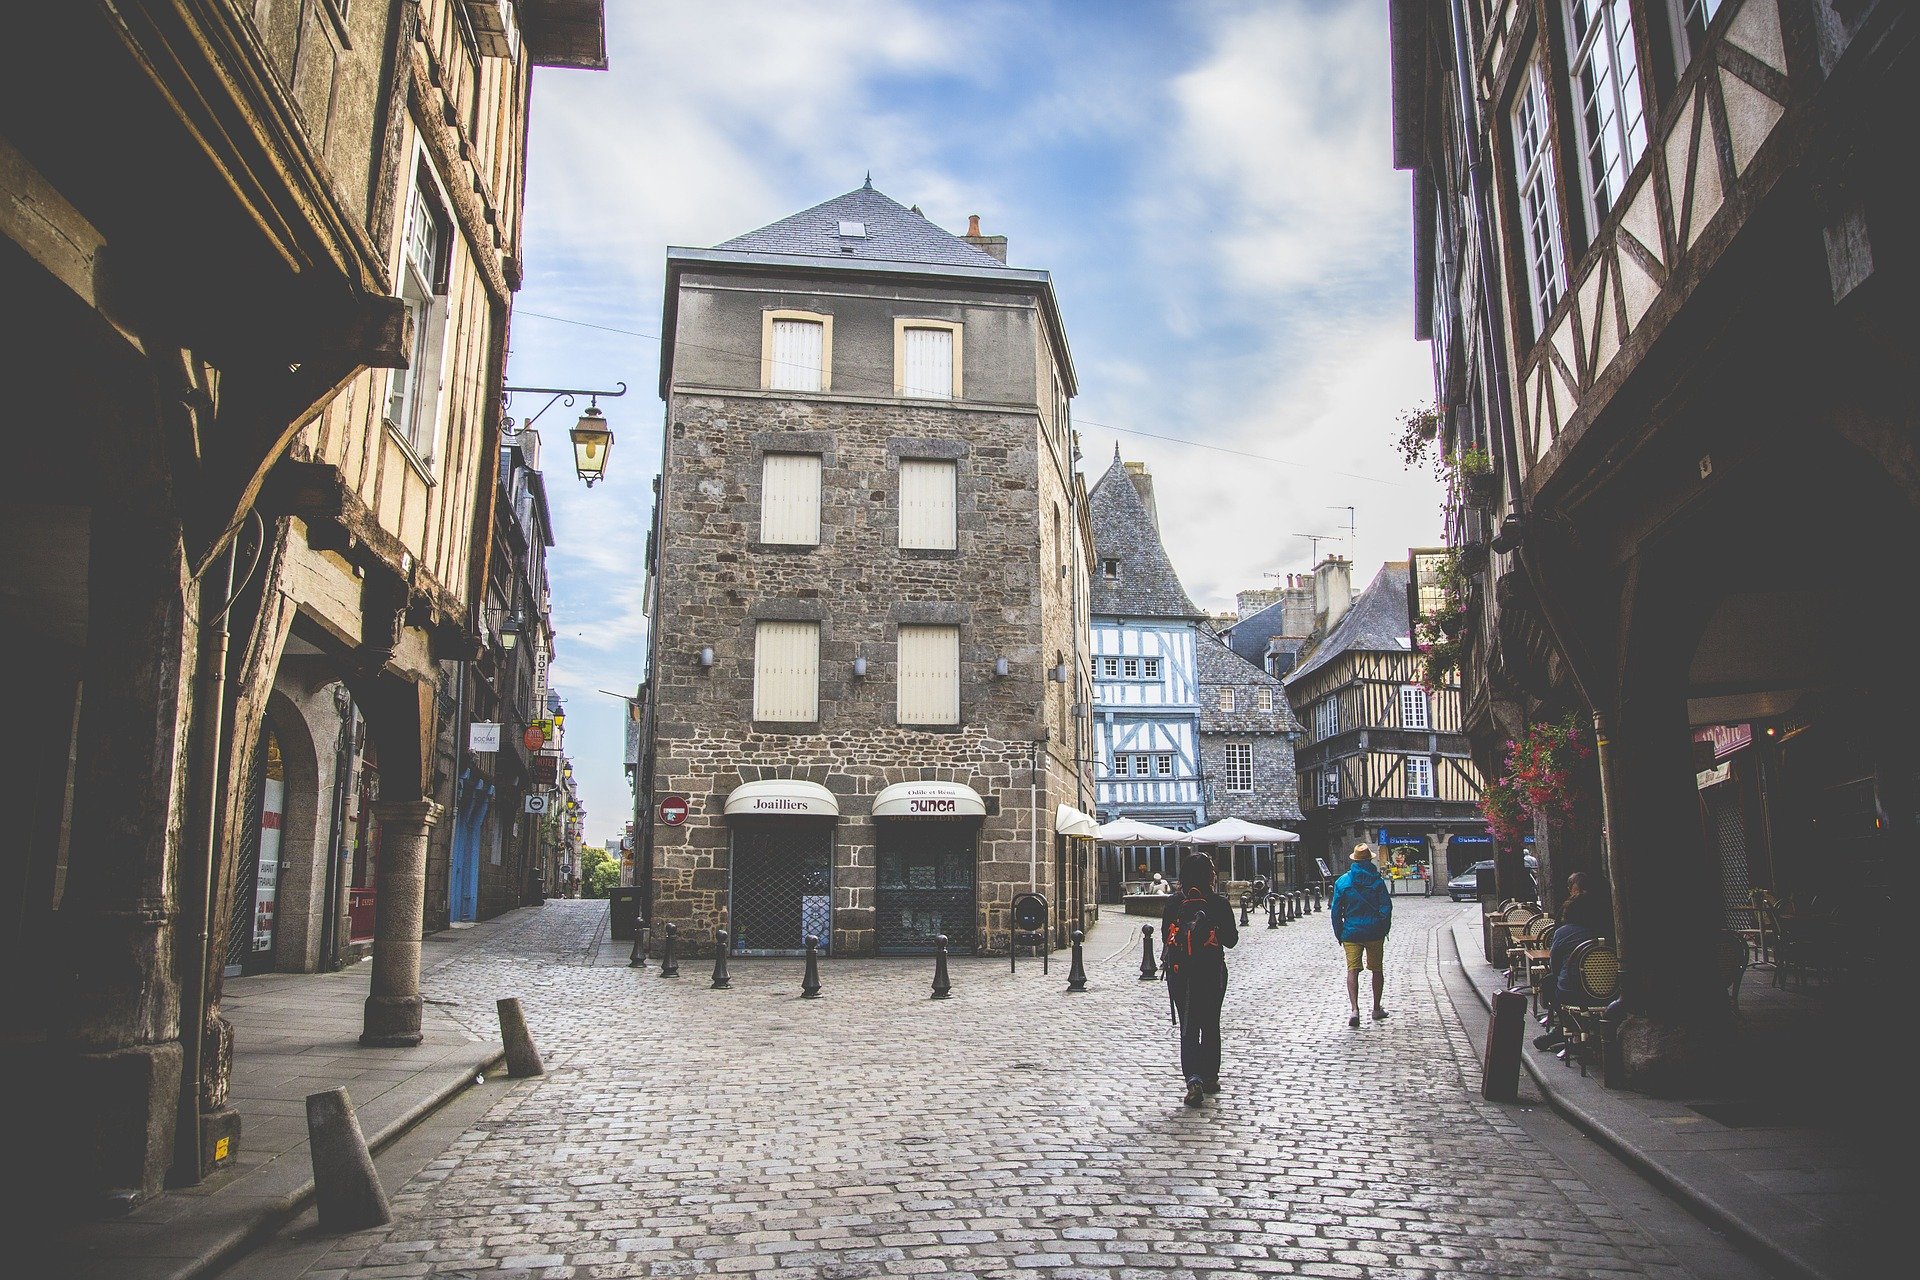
column 673, row 810
column 546, row 770
column 928, row 800
column 483, row 735
column 535, row 737
column 1713, row 777
column 536, row 803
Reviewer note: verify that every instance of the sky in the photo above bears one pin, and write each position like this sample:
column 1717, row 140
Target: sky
column 1210, row 185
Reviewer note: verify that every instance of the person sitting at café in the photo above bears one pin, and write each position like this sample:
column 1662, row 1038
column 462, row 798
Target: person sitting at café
column 1584, row 916
column 1159, row 884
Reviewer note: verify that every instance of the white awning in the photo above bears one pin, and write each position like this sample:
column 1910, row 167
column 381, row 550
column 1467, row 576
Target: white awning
column 782, row 798
column 1069, row 821
column 1240, row 831
column 929, row 800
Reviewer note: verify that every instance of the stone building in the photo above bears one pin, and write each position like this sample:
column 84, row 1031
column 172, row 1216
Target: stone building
column 867, row 592
column 1664, row 258
column 1247, row 736
column 260, row 273
column 1383, row 759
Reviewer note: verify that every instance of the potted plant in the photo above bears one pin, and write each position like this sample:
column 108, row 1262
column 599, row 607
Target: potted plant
column 1473, row 476
column 1419, row 428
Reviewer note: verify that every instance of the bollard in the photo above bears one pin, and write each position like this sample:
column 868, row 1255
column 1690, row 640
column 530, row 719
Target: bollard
column 1147, row 970
column 1273, row 911
column 720, row 982
column 522, row 1058
column 1297, row 901
column 1244, row 904
column 810, row 985
column 346, row 1186
column 1077, row 976
column 940, row 984
column 637, row 958
column 669, row 967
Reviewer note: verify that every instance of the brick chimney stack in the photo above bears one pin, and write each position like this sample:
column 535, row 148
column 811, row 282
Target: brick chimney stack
column 995, row 245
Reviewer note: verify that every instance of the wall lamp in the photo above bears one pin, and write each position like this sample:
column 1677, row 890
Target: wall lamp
column 510, row 633
column 706, row 655
column 1513, row 532
column 592, row 437
column 859, row 666
column 1058, row 673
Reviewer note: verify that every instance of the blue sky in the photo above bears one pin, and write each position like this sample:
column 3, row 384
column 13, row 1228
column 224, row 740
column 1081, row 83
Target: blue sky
column 1209, row 183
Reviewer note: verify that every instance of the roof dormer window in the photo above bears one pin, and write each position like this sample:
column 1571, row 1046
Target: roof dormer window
column 1110, row 570
column 854, row 230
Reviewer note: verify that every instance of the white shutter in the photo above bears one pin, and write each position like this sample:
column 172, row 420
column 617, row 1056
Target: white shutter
column 1413, row 707
column 797, row 349
column 929, row 675
column 786, row 671
column 929, row 372
column 790, row 499
column 927, row 497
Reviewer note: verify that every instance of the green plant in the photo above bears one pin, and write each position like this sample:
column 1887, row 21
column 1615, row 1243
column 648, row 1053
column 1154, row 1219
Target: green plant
column 1471, row 461
column 598, row 872
column 1436, row 637
column 1419, row 428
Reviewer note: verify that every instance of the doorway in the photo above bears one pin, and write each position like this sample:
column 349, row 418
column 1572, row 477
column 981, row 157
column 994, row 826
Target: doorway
column 926, row 884
column 781, row 887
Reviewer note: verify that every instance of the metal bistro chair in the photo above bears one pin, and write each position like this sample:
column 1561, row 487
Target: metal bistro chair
column 1530, row 933
column 1595, row 967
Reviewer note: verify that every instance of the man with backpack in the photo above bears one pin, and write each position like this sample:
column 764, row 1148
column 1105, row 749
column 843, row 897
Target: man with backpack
column 1195, row 931
column 1362, row 912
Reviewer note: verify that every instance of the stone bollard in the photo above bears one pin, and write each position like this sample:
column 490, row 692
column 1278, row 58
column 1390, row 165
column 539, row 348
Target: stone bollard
column 1245, row 905
column 720, row 982
column 669, row 967
column 637, row 958
column 940, row 984
column 810, row 985
column 1148, row 972
column 522, row 1058
column 1077, row 975
column 346, row 1186
column 1273, row 911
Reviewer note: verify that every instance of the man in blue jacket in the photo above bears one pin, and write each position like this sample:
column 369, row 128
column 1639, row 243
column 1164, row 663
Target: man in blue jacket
column 1362, row 913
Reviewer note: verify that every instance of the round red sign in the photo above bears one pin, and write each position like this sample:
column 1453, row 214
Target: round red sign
column 534, row 737
column 673, row 810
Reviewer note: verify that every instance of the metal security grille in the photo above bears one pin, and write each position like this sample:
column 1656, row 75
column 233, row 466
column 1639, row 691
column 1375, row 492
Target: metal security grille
column 926, row 880
column 1730, row 842
column 782, row 888
column 246, row 876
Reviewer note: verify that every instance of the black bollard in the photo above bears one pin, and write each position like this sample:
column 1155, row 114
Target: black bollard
column 1299, row 904
column 940, row 984
column 1244, row 905
column 810, row 985
column 1273, row 910
column 637, row 958
column 1077, row 976
column 1148, row 972
column 669, row 967
column 720, row 981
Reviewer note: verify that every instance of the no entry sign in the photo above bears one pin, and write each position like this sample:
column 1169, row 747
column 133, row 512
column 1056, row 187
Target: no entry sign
column 673, row 810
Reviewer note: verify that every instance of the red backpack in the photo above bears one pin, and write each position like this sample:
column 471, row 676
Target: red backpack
column 1192, row 943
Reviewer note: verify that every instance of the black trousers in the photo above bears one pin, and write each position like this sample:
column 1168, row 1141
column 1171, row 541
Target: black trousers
column 1199, row 1004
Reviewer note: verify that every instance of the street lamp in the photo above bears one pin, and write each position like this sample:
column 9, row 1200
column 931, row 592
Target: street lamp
column 510, row 633
column 592, row 438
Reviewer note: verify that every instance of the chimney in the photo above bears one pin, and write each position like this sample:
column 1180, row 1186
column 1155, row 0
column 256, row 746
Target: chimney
column 1143, row 485
column 995, row 245
column 1252, row 602
column 1332, row 591
column 1296, row 615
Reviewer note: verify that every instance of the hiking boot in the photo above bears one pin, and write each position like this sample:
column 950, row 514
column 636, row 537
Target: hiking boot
column 1194, row 1088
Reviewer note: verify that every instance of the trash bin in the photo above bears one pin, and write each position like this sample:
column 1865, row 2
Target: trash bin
column 623, row 905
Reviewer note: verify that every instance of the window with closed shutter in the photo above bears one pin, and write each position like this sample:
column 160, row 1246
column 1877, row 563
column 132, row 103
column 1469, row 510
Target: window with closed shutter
column 799, row 348
column 1413, row 707
column 927, row 501
column 786, row 671
column 790, row 499
column 929, row 364
column 929, row 675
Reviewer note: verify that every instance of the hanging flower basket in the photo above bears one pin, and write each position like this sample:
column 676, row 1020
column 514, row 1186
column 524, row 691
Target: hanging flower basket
column 1473, row 557
column 1539, row 781
column 1482, row 488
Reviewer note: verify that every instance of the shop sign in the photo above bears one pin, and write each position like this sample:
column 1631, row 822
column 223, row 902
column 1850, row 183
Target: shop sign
column 483, row 735
column 673, row 812
column 928, row 800
column 546, row 769
column 1713, row 777
column 1729, row 738
column 535, row 737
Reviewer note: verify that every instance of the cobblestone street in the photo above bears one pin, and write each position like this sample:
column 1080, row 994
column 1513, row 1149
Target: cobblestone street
column 683, row 1131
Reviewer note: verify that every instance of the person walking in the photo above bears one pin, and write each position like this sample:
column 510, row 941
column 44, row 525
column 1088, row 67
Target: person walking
column 1362, row 914
column 1196, row 929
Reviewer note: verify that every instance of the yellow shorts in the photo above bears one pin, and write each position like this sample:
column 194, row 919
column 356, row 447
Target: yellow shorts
column 1356, row 950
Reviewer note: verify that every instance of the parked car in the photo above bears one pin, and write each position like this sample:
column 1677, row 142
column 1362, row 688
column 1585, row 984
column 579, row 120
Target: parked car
column 1465, row 887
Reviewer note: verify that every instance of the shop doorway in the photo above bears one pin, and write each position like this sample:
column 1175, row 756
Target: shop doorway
column 257, row 882
column 926, row 884
column 781, row 887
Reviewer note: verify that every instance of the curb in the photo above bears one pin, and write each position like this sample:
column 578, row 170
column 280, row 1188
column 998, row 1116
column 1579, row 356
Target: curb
column 1703, row 1205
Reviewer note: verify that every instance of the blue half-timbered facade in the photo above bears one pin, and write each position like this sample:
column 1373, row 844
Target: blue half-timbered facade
column 1146, row 684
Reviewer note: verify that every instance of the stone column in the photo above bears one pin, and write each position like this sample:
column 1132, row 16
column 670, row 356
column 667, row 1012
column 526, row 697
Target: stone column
column 393, row 1004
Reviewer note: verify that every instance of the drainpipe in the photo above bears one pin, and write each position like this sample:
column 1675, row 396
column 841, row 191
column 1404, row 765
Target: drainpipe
column 336, row 832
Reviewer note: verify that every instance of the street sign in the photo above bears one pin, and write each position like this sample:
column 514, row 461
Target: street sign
column 483, row 735
column 546, row 769
column 534, row 737
column 673, row 810
column 536, row 803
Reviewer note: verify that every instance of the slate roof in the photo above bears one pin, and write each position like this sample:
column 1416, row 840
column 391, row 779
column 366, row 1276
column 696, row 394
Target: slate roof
column 1220, row 665
column 894, row 234
column 1376, row 622
column 1123, row 530
column 1249, row 636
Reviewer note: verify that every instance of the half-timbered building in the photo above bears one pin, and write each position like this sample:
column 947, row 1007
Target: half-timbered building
column 1663, row 252
column 1146, row 682
column 1384, row 760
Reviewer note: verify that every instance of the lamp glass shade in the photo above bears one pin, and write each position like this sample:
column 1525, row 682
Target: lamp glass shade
column 592, row 441
column 509, row 634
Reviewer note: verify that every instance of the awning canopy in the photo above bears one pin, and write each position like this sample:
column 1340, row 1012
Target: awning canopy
column 1069, row 821
column 929, row 800
column 1134, row 831
column 782, row 798
column 1239, row 831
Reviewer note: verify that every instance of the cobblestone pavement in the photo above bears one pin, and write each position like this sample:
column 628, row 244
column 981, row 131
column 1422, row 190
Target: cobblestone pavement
column 1012, row 1130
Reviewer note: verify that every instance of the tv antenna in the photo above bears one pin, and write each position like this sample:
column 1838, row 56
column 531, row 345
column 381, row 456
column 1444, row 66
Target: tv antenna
column 1353, row 523
column 1315, row 539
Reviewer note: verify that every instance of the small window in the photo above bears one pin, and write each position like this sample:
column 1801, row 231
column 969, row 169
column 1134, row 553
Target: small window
column 1226, row 701
column 790, row 499
column 1692, row 17
column 1130, row 668
column 1150, row 668
column 786, row 671
column 1539, row 206
column 1266, row 699
column 929, row 665
column 413, row 393
column 1326, row 718
column 796, row 351
column 1110, row 668
column 1239, row 766
column 928, row 361
column 1419, row 778
column 1110, row 570
column 928, row 496
column 854, row 230
column 1413, row 707
column 1163, row 765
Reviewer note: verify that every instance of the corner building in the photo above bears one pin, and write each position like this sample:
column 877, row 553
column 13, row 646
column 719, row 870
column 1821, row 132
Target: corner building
column 868, row 593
